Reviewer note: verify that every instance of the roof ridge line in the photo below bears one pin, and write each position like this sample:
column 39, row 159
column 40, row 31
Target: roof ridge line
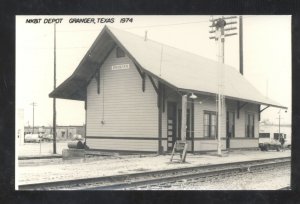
column 188, row 52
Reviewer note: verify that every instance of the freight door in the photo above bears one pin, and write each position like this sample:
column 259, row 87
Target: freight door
column 171, row 125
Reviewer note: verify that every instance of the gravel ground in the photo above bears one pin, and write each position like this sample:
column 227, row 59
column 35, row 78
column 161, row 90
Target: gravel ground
column 105, row 166
column 267, row 180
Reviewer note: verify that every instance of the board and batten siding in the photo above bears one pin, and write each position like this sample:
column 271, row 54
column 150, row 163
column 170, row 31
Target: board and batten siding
column 240, row 123
column 209, row 104
column 124, row 108
column 238, row 143
column 208, row 145
column 240, row 140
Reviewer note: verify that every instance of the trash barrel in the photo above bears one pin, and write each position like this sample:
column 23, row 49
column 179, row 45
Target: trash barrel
column 75, row 145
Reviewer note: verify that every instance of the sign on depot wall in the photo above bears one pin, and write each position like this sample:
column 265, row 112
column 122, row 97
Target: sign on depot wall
column 120, row 67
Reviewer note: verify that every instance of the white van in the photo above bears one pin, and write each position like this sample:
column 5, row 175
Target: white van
column 272, row 138
column 32, row 138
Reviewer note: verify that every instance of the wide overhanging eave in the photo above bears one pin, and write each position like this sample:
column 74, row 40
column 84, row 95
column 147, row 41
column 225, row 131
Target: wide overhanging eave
column 78, row 96
column 234, row 98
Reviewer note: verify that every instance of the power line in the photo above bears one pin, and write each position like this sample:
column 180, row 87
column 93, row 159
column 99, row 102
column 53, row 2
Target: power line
column 89, row 30
column 51, row 48
column 161, row 25
column 174, row 24
column 203, row 21
column 135, row 27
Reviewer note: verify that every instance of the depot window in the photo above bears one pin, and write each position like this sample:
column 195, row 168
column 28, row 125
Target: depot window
column 210, row 124
column 249, row 125
column 120, row 53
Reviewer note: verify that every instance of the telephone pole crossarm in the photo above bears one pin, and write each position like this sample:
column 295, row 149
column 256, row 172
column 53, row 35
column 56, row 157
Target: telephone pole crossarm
column 221, row 23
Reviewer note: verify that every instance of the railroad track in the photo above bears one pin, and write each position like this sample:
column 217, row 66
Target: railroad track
column 135, row 180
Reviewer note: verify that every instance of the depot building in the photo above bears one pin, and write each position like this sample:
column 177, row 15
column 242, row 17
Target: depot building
column 134, row 90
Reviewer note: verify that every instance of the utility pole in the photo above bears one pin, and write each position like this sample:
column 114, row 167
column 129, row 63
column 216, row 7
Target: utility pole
column 279, row 127
column 241, row 45
column 33, row 104
column 279, row 118
column 54, row 99
column 220, row 24
column 218, row 27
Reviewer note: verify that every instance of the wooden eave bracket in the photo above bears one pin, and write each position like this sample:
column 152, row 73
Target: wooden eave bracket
column 154, row 85
column 144, row 82
column 239, row 107
column 263, row 109
column 164, row 98
column 97, row 76
column 161, row 97
column 159, row 89
column 143, row 76
column 259, row 111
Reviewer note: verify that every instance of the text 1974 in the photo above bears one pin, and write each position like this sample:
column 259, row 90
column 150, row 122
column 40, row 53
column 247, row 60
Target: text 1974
column 126, row 20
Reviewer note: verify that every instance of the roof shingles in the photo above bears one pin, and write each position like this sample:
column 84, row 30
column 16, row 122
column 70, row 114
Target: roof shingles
column 186, row 71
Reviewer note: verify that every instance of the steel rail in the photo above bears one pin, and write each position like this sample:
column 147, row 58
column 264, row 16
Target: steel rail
column 116, row 181
column 217, row 172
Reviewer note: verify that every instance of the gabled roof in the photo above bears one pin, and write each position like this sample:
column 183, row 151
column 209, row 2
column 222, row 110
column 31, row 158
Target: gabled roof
column 180, row 69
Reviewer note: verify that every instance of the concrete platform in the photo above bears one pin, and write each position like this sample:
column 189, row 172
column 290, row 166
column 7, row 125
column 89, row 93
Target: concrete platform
column 115, row 165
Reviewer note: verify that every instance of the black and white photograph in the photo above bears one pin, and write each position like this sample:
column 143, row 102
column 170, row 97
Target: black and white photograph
column 153, row 102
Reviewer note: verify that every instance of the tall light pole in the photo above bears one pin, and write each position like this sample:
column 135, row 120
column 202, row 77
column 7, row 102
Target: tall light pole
column 241, row 44
column 279, row 118
column 219, row 30
column 220, row 24
column 33, row 104
column 279, row 126
column 54, row 99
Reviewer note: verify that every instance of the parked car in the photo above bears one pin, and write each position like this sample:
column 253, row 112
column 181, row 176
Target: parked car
column 32, row 138
column 270, row 145
column 77, row 137
column 47, row 137
column 288, row 144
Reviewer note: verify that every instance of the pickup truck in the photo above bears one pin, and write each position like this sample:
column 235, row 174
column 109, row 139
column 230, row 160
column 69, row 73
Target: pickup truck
column 270, row 145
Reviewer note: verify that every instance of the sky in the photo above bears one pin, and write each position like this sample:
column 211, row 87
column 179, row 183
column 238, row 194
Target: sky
column 267, row 57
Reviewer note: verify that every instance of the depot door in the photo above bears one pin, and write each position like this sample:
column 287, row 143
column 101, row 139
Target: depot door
column 171, row 125
column 229, row 127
